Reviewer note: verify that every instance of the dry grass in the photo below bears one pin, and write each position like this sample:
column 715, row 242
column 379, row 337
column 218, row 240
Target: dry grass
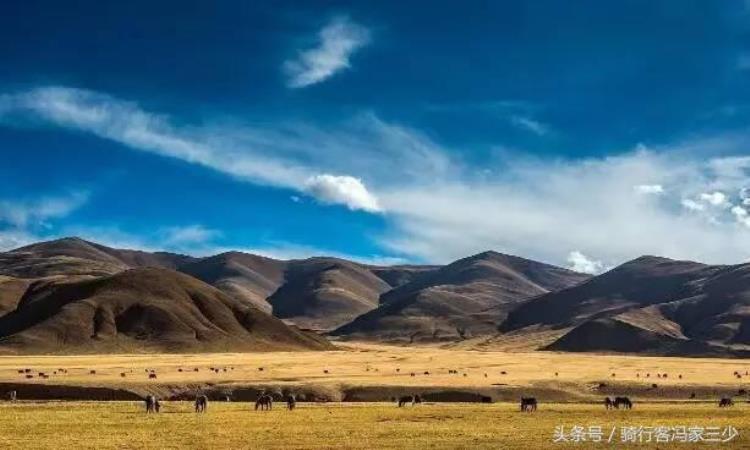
column 123, row 425
column 388, row 366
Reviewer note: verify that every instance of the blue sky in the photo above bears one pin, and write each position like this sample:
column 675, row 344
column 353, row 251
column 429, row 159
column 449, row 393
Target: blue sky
column 581, row 134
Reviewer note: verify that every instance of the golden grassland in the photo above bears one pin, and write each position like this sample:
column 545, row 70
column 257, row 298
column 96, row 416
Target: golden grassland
column 377, row 365
column 124, row 425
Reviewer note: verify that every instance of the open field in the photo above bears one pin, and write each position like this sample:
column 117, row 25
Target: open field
column 373, row 372
column 123, row 425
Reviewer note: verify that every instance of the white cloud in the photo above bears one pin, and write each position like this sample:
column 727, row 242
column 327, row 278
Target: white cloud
column 189, row 235
column 438, row 207
column 345, row 190
column 692, row 205
column 649, row 189
column 543, row 208
column 579, row 262
column 337, row 42
column 717, row 198
column 529, row 124
column 741, row 215
column 24, row 213
column 286, row 156
column 12, row 239
column 22, row 220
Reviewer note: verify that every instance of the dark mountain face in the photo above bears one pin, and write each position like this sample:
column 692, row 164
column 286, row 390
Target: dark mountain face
column 466, row 298
column 249, row 278
column 144, row 309
column 649, row 305
column 641, row 282
column 324, row 293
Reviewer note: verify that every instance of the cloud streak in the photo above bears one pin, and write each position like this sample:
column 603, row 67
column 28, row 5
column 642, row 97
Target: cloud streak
column 288, row 156
column 337, row 42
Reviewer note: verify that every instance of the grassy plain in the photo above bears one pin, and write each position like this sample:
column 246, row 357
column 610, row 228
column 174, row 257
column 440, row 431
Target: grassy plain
column 378, row 365
column 123, row 425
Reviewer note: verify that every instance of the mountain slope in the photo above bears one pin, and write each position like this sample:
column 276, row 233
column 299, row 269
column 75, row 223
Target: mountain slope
column 466, row 298
column 75, row 256
column 648, row 305
column 324, row 293
column 246, row 277
column 145, row 309
column 641, row 282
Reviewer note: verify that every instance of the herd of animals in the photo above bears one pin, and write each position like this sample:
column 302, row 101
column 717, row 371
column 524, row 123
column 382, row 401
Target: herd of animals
column 264, row 401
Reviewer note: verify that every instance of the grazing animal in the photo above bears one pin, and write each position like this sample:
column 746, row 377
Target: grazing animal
column 623, row 402
column 152, row 376
column 122, row 374
column 608, row 403
column 201, row 403
column 264, row 402
column 528, row 404
column 413, row 399
column 151, row 402
column 12, row 396
column 692, row 395
column 486, row 399
column 726, row 402
column 291, row 402
column 92, row 372
column 503, row 373
column 157, row 405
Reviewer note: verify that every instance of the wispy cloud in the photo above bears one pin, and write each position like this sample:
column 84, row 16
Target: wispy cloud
column 194, row 234
column 21, row 221
column 290, row 156
column 437, row 207
column 649, row 189
column 337, row 42
column 33, row 212
column 529, row 124
column 544, row 208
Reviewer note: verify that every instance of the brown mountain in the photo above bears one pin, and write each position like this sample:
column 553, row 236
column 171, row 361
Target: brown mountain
column 466, row 298
column 309, row 294
column 648, row 305
column 249, row 278
column 324, row 293
column 75, row 256
column 145, row 309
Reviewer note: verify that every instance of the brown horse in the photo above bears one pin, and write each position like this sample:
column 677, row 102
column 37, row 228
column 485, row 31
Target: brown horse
column 291, row 402
column 201, row 403
column 608, row 403
column 264, row 402
column 726, row 402
column 528, row 404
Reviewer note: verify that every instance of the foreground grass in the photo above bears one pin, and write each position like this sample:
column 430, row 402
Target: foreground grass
column 123, row 425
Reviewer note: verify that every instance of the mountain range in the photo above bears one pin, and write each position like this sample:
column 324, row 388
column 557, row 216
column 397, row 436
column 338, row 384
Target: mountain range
column 71, row 295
